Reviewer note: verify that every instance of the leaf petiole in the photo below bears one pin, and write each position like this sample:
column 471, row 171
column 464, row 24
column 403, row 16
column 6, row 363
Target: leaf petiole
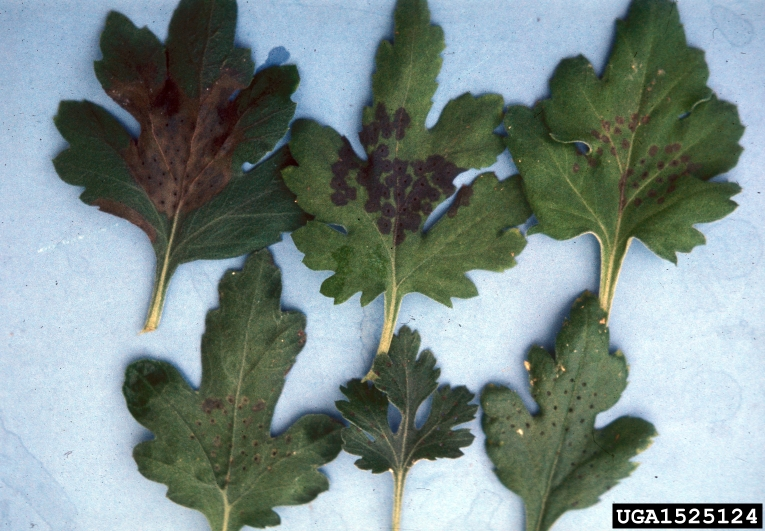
column 611, row 261
column 392, row 309
column 161, row 280
column 399, row 479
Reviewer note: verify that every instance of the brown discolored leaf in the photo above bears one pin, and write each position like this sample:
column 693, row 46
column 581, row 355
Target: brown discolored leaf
column 201, row 114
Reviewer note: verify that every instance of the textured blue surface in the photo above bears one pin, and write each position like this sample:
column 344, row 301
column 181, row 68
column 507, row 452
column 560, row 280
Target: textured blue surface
column 75, row 283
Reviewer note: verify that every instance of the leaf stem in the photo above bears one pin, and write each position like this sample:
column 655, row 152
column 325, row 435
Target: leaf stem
column 392, row 308
column 611, row 261
column 399, row 478
column 161, row 282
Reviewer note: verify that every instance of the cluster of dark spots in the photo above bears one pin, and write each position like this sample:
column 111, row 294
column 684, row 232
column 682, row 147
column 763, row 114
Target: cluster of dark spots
column 403, row 192
column 260, row 405
column 211, row 404
column 669, row 181
column 383, row 126
column 243, row 402
column 343, row 192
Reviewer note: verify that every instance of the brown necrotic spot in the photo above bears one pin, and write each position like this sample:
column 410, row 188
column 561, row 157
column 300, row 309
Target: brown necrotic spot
column 660, row 200
column 462, row 199
column 211, row 404
column 260, row 405
column 660, row 165
column 619, row 120
column 653, row 150
column 625, row 144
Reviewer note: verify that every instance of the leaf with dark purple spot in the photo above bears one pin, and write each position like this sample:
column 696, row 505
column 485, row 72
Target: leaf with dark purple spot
column 201, row 114
column 656, row 135
column 556, row 460
column 213, row 447
column 383, row 202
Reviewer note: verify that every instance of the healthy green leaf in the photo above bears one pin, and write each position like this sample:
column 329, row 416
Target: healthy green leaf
column 382, row 202
column 213, row 447
column 655, row 135
column 202, row 115
column 405, row 380
column 556, row 460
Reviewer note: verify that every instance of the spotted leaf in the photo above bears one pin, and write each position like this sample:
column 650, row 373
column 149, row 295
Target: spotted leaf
column 556, row 460
column 383, row 201
column 629, row 154
column 202, row 115
column 213, row 447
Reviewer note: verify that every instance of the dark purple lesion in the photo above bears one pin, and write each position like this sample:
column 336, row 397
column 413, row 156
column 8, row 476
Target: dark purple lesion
column 666, row 168
column 661, row 164
column 402, row 193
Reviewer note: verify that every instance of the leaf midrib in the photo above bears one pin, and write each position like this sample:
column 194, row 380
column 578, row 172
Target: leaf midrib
column 558, row 452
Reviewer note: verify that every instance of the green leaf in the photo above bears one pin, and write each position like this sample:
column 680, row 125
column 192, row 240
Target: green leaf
column 213, row 447
column 405, row 380
column 202, row 115
column 655, row 135
column 382, row 202
column 556, row 460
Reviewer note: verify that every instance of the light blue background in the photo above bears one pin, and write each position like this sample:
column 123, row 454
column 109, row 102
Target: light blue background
column 75, row 282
